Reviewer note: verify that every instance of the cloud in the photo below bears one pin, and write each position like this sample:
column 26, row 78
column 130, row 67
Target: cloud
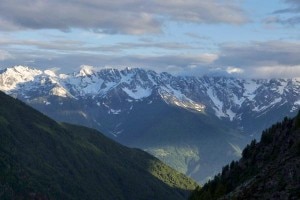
column 290, row 21
column 207, row 58
column 68, row 54
column 260, row 54
column 176, row 64
column 289, row 16
column 197, row 37
column 261, row 59
column 294, row 7
column 278, row 71
column 202, row 11
column 254, row 59
column 118, row 16
column 234, row 70
column 4, row 55
column 69, row 46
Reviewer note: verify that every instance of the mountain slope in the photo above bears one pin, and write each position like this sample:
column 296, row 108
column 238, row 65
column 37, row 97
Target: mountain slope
column 45, row 160
column 269, row 169
column 169, row 116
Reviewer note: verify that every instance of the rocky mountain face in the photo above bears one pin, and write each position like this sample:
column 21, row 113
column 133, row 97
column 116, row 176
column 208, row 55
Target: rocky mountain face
column 269, row 169
column 188, row 122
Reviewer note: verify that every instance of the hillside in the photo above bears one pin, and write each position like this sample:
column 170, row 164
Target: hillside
column 269, row 169
column 41, row 159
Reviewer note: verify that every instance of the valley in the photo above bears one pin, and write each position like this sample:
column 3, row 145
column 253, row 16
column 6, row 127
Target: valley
column 194, row 124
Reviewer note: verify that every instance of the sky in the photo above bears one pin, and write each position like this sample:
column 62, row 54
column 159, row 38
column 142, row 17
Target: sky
column 243, row 38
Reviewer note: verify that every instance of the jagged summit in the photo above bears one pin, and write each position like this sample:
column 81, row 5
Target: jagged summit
column 231, row 99
column 224, row 97
column 86, row 70
column 11, row 77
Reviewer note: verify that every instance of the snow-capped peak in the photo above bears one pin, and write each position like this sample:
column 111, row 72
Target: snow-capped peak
column 23, row 71
column 86, row 70
column 50, row 73
column 11, row 77
column 225, row 97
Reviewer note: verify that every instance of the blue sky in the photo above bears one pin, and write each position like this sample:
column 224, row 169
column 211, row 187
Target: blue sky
column 247, row 38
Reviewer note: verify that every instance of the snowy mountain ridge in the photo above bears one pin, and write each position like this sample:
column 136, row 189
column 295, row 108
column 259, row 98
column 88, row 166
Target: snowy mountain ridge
column 225, row 97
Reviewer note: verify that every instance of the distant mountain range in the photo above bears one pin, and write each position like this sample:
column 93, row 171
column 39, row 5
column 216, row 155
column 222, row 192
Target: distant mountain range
column 195, row 124
column 269, row 169
column 41, row 159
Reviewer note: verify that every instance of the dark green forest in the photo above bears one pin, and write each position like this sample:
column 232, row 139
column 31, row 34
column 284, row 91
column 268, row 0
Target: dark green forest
column 268, row 169
column 42, row 159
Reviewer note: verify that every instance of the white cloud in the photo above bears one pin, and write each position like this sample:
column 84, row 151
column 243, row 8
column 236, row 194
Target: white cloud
column 208, row 58
column 257, row 54
column 234, row 70
column 118, row 16
column 279, row 71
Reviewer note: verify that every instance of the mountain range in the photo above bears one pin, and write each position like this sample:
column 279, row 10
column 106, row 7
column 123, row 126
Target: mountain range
column 43, row 159
column 195, row 124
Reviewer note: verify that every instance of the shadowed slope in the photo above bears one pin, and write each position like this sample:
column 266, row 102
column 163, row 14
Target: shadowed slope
column 40, row 158
column 269, row 169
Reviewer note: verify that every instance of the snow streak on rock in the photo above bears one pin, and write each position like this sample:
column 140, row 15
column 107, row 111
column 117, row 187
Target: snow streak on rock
column 226, row 98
